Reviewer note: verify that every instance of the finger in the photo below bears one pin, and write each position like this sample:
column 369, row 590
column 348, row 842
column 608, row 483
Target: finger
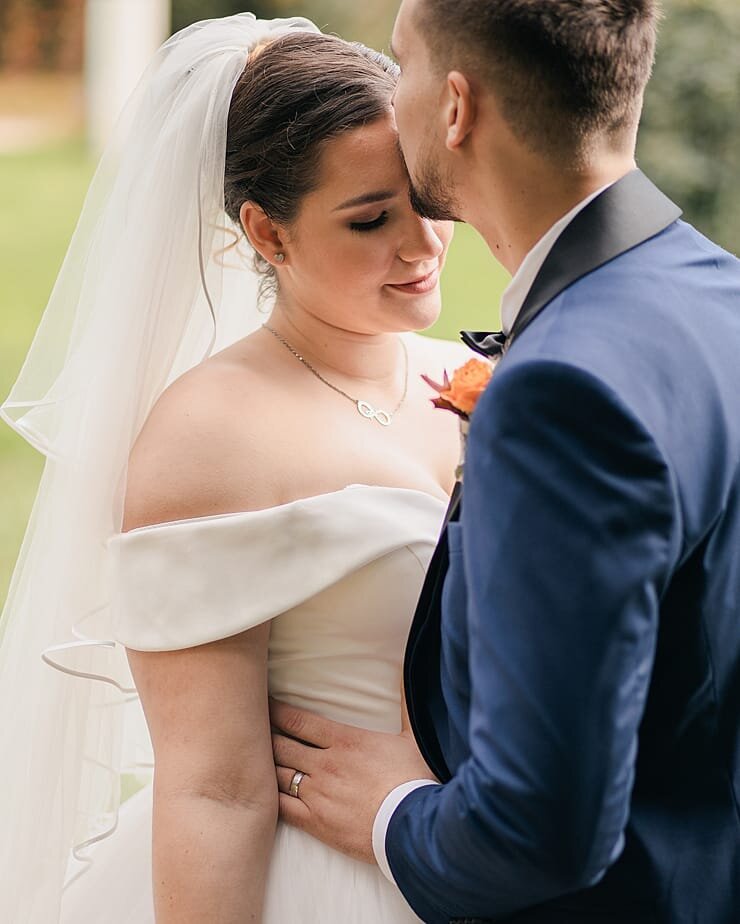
column 289, row 753
column 285, row 778
column 294, row 812
column 307, row 726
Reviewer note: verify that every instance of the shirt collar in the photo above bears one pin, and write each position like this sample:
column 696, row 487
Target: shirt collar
column 516, row 292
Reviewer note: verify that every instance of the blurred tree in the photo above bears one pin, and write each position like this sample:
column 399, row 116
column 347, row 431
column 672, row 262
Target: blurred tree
column 690, row 138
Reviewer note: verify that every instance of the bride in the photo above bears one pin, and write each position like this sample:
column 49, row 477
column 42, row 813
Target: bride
column 244, row 482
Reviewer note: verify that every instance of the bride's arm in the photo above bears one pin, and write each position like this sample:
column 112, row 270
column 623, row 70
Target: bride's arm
column 215, row 793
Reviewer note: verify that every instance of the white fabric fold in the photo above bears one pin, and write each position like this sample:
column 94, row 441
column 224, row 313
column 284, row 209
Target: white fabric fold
column 193, row 581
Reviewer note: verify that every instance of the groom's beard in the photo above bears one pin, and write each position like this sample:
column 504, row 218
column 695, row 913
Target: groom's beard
column 432, row 196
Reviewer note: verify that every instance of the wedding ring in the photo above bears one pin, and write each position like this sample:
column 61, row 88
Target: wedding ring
column 295, row 783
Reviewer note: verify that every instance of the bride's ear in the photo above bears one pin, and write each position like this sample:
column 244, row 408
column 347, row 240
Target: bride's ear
column 262, row 233
column 460, row 109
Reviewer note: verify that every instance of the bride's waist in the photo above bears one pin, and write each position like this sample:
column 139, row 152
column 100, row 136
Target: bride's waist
column 370, row 705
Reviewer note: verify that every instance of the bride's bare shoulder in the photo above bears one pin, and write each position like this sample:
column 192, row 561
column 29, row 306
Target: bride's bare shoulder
column 199, row 446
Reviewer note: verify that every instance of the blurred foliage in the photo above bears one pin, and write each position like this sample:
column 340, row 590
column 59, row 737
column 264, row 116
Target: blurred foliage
column 690, row 137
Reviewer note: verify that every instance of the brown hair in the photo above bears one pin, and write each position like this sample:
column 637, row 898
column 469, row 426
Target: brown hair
column 563, row 70
column 295, row 95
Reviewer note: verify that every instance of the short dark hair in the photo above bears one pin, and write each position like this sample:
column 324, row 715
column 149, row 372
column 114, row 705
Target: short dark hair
column 563, row 71
column 295, row 95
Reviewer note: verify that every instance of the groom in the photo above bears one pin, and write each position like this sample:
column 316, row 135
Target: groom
column 573, row 670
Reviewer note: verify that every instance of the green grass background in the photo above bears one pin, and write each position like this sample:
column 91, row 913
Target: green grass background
column 41, row 194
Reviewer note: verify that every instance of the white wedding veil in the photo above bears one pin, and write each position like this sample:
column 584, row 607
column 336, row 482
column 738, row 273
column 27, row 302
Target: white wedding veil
column 144, row 294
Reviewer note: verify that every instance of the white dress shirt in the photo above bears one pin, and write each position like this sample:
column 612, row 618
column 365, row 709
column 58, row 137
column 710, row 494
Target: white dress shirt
column 512, row 300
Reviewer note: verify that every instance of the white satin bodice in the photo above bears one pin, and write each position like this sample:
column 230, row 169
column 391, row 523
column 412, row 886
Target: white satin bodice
column 338, row 574
column 338, row 577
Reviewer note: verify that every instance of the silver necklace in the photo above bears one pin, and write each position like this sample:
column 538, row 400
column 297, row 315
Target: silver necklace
column 364, row 408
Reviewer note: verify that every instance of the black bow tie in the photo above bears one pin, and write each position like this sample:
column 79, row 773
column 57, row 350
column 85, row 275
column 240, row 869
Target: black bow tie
column 487, row 343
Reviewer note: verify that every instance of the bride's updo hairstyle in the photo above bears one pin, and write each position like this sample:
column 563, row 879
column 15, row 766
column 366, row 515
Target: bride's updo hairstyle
column 295, row 95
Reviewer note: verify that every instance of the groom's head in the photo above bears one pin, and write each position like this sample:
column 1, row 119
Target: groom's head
column 561, row 79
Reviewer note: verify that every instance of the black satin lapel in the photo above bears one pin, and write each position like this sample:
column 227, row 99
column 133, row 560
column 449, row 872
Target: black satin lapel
column 422, row 658
column 421, row 668
column 625, row 215
column 453, row 509
column 432, row 588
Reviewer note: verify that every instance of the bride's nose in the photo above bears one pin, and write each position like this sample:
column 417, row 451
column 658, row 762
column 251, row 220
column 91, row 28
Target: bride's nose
column 420, row 241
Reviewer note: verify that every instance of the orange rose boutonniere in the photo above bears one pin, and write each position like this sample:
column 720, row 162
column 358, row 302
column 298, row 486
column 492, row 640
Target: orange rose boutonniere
column 460, row 395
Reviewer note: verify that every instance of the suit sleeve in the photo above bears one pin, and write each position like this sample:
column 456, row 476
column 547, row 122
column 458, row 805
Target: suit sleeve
column 569, row 529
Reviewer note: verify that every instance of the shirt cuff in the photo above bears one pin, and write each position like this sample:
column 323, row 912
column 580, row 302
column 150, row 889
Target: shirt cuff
column 383, row 819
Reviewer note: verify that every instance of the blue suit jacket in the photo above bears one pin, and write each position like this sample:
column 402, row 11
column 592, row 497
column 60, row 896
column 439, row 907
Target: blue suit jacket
column 573, row 671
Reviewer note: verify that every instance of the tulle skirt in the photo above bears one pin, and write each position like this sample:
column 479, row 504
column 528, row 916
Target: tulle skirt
column 308, row 882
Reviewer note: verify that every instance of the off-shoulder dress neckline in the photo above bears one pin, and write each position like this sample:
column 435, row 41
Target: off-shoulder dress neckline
column 311, row 498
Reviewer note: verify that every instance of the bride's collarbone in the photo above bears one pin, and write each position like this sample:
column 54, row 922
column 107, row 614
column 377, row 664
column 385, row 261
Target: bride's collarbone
column 303, row 458
column 342, row 437
column 313, row 441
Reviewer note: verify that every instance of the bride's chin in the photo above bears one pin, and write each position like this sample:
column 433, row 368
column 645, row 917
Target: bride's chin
column 417, row 313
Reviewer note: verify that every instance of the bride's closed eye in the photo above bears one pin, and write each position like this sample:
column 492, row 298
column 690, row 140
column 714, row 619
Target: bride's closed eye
column 370, row 225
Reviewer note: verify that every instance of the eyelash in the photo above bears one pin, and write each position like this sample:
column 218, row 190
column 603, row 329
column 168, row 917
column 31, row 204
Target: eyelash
column 364, row 226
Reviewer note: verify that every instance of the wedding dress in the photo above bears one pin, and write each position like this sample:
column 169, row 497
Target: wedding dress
column 339, row 575
column 151, row 286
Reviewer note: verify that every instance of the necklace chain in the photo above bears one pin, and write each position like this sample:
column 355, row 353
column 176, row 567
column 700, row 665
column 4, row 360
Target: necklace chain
column 364, row 407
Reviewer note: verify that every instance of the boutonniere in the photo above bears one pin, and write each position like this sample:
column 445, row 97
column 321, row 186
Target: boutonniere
column 460, row 395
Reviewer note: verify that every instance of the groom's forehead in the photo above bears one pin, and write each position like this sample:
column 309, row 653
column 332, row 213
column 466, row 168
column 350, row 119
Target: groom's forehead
column 406, row 16
column 406, row 27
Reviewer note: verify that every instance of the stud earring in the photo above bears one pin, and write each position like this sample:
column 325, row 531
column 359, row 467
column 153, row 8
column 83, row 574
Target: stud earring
column 280, row 258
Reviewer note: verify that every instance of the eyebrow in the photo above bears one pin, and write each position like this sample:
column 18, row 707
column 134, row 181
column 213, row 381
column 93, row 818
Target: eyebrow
column 367, row 199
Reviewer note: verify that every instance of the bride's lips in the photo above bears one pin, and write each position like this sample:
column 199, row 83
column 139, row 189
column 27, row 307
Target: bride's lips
column 419, row 286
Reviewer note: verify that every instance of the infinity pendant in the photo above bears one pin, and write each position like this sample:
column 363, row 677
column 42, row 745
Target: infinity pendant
column 368, row 411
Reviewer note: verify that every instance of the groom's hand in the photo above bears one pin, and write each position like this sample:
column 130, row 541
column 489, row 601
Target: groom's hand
column 348, row 773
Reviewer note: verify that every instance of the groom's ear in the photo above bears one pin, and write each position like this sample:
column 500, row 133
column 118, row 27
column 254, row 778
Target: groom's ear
column 460, row 109
column 261, row 231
